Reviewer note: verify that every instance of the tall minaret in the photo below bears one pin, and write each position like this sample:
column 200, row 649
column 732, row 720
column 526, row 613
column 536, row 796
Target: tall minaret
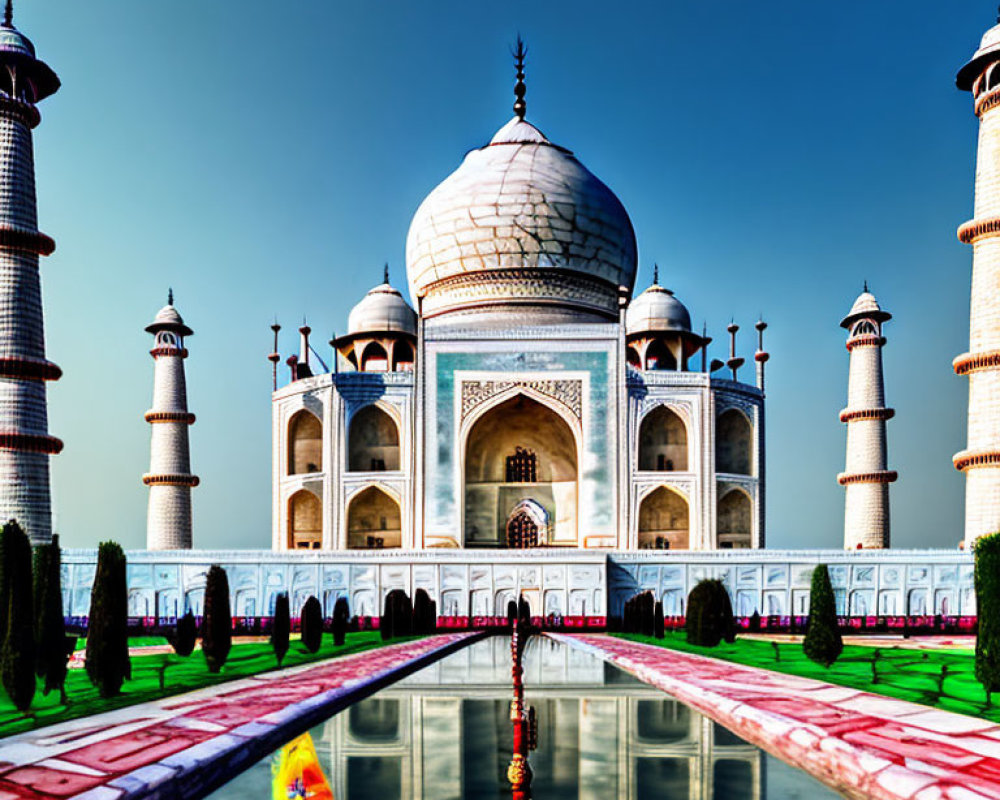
column 25, row 444
column 866, row 479
column 168, row 526
column 980, row 461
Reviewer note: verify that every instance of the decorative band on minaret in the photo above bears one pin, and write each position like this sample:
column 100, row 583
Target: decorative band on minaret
column 866, row 478
column 25, row 443
column 168, row 525
column 980, row 461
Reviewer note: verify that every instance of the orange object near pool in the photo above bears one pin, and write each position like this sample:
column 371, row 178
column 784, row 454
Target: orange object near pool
column 297, row 774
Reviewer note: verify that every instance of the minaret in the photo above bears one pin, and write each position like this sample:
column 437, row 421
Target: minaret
column 866, row 478
column 168, row 525
column 25, row 444
column 980, row 461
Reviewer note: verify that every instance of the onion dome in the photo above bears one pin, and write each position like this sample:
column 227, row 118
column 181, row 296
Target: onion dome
column 656, row 309
column 988, row 52
column 382, row 310
column 521, row 222
column 16, row 49
column 167, row 319
column 865, row 307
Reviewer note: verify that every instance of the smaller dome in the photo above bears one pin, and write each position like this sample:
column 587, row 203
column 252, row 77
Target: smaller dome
column 865, row 306
column 988, row 52
column 656, row 309
column 13, row 41
column 382, row 310
column 167, row 319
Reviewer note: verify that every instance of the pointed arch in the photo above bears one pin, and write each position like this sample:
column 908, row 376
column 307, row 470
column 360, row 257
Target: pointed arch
column 665, row 520
column 663, row 441
column 733, row 443
column 305, row 521
column 374, row 520
column 734, row 520
column 305, row 443
column 373, row 441
column 374, row 358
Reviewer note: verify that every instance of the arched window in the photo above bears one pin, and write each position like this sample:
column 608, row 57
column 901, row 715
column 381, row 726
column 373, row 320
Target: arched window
column 864, row 328
column 632, row 356
column 402, row 357
column 664, row 521
column 734, row 521
column 733, row 444
column 992, row 77
column 373, row 520
column 658, row 356
column 166, row 339
column 305, row 443
column 372, row 442
column 374, row 358
column 305, row 521
column 663, row 442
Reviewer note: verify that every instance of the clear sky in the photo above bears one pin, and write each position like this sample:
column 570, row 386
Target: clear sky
column 266, row 158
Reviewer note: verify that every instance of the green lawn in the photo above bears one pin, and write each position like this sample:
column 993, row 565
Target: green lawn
column 178, row 675
column 943, row 679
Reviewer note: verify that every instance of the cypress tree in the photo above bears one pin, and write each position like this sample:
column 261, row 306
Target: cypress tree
column 217, row 621
column 17, row 654
column 312, row 624
column 987, row 584
column 424, row 617
column 185, row 635
column 281, row 627
column 108, row 663
column 822, row 642
column 341, row 616
column 658, row 625
column 754, row 624
column 709, row 614
column 385, row 622
column 512, row 613
column 50, row 625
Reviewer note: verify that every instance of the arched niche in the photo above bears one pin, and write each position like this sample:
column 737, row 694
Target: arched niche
column 373, row 520
column 402, row 357
column 305, row 521
column 664, row 520
column 663, row 441
column 519, row 450
column 660, row 357
column 374, row 358
column 305, row 443
column 733, row 443
column 372, row 441
column 734, row 520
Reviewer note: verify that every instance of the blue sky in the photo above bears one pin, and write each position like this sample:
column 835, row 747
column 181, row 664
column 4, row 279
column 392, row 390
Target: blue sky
column 266, row 158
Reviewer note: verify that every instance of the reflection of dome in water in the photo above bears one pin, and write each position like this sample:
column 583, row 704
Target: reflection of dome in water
column 521, row 223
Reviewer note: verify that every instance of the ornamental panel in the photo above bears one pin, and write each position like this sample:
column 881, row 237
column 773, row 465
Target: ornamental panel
column 567, row 392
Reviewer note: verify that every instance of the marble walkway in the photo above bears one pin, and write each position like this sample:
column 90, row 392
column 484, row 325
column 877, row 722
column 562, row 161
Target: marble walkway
column 188, row 740
column 863, row 745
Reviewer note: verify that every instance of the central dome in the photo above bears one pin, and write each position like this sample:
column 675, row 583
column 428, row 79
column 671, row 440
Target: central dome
column 521, row 223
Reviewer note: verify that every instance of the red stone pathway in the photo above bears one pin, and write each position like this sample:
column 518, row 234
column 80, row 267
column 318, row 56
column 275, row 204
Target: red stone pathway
column 198, row 738
column 863, row 745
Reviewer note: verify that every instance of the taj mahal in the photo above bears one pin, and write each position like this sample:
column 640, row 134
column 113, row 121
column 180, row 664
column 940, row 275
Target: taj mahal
column 520, row 419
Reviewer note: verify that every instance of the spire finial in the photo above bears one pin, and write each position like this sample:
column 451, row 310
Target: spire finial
column 170, row 297
column 866, row 286
column 656, row 274
column 8, row 14
column 520, row 107
column 385, row 274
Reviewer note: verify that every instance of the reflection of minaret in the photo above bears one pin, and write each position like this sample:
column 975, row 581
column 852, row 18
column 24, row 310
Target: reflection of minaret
column 169, row 479
column 980, row 461
column 866, row 478
column 25, row 444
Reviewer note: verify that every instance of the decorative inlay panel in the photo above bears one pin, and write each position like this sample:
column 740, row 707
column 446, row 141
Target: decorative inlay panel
column 567, row 392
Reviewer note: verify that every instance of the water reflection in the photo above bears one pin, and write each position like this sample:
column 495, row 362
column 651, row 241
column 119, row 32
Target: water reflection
column 445, row 733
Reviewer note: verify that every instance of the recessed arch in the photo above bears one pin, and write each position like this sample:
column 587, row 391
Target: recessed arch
column 305, row 521
column 374, row 358
column 519, row 448
column 734, row 520
column 305, row 443
column 663, row 441
column 374, row 520
column 373, row 441
column 733, row 443
column 660, row 357
column 402, row 356
column 665, row 520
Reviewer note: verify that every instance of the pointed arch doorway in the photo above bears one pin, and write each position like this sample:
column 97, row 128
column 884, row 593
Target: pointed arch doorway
column 527, row 525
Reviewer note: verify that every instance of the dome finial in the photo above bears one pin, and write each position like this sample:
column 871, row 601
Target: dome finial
column 866, row 285
column 170, row 297
column 520, row 107
column 656, row 274
column 385, row 274
column 8, row 14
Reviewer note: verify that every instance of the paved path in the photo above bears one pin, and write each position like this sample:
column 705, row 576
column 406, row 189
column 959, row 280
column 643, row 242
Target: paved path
column 199, row 738
column 863, row 745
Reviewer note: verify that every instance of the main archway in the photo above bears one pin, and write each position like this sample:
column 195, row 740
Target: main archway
column 519, row 450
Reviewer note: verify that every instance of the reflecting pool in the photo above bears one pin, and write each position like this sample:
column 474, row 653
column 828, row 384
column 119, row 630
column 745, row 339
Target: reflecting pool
column 445, row 732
